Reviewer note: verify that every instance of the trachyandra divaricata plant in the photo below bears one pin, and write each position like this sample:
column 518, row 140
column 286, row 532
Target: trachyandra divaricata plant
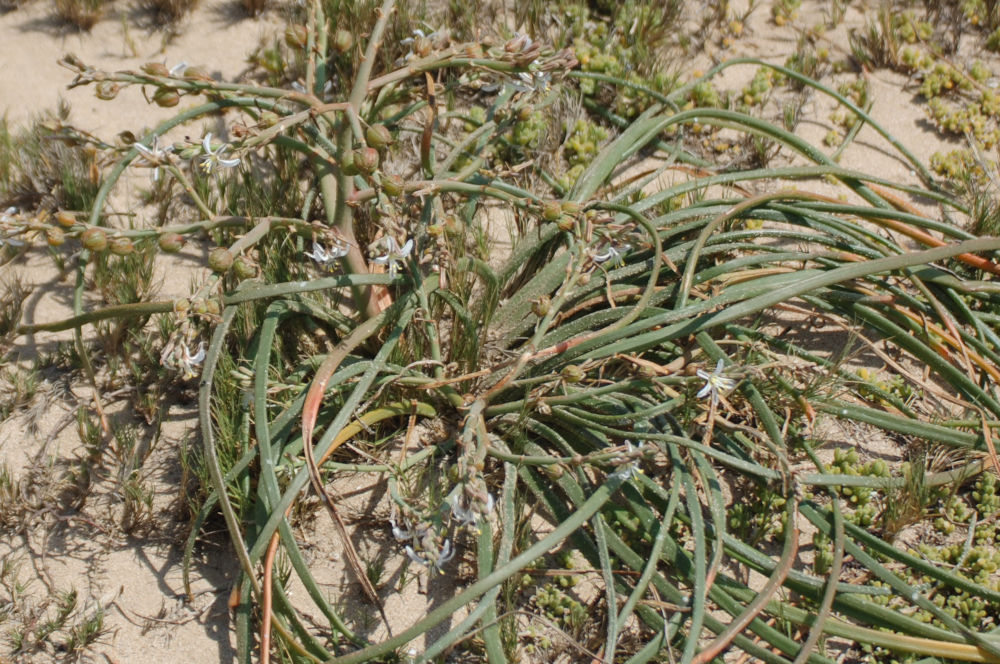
column 624, row 371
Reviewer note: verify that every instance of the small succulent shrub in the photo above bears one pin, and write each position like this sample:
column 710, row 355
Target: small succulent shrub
column 628, row 356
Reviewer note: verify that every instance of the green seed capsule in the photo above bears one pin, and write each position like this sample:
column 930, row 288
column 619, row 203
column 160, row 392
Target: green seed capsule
column 220, row 259
column 378, row 136
column 94, row 239
column 392, row 185
column 170, row 243
column 244, row 268
column 296, row 36
column 121, row 246
column 551, row 210
column 166, row 97
column 571, row 373
column 342, row 41
column 541, row 306
column 366, row 159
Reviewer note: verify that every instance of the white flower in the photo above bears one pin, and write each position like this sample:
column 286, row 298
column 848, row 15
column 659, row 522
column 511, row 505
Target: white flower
column 533, row 81
column 153, row 156
column 211, row 159
column 401, row 534
column 470, row 516
column 178, row 68
column 432, row 558
column 181, row 358
column 7, row 217
column 715, row 382
column 394, row 254
column 328, row 257
column 611, row 253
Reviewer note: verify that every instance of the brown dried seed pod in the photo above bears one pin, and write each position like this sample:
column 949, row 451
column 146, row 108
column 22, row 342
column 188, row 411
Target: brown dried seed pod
column 65, row 219
column 156, row 69
column 55, row 237
column 107, row 90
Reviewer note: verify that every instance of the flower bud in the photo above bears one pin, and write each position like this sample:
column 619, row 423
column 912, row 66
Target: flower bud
column 220, row 259
column 166, row 97
column 473, row 51
column 296, row 36
column 107, row 90
column 343, row 41
column 366, row 159
column 170, row 243
column 155, row 69
column 182, row 306
column 244, row 268
column 94, row 239
column 541, row 306
column 212, row 307
column 551, row 210
column 435, row 230
column 571, row 373
column 378, row 136
column 55, row 237
column 65, row 219
column 392, row 185
column 121, row 246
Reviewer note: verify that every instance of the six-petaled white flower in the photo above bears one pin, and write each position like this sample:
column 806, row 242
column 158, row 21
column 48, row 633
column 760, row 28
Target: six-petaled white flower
column 715, row 382
column 394, row 254
column 611, row 254
column 153, row 156
column 328, row 257
column 211, row 159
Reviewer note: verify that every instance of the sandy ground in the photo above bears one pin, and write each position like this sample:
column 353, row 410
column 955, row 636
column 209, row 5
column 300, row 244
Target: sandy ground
column 138, row 579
